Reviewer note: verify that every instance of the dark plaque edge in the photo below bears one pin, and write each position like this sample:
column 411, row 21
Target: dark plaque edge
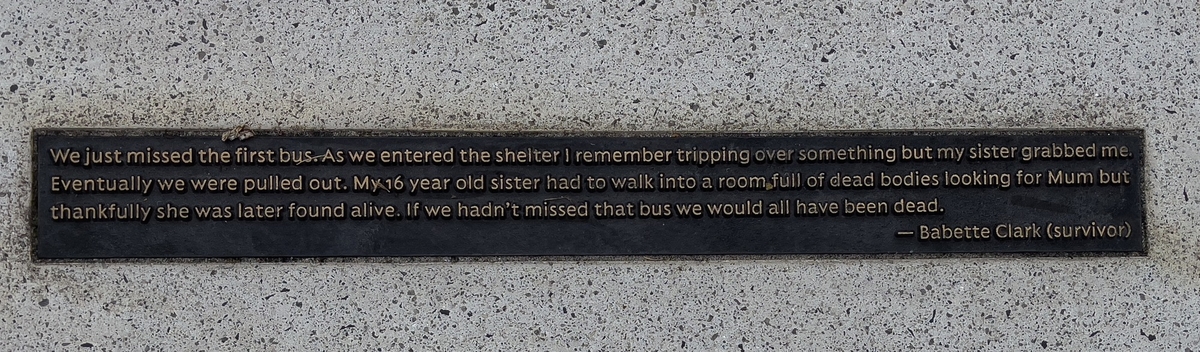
column 217, row 133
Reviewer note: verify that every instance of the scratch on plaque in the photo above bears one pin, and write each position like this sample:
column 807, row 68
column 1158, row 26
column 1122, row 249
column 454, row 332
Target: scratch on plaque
column 307, row 159
column 239, row 133
column 555, row 198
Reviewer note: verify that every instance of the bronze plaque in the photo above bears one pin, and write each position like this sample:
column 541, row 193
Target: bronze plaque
column 132, row 194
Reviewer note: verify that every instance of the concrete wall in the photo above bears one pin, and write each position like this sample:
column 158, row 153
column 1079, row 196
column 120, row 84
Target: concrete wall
column 608, row 65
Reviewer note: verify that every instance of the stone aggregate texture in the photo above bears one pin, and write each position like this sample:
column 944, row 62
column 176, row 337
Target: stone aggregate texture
column 604, row 66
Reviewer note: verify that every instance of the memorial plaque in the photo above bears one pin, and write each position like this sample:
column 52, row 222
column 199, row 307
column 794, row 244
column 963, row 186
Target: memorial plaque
column 130, row 194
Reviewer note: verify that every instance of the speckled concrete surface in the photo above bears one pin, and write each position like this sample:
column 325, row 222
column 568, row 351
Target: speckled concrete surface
column 615, row 65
